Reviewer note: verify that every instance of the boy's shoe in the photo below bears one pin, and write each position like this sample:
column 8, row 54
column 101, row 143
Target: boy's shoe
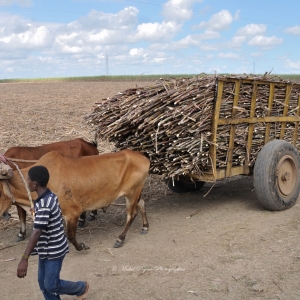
column 84, row 295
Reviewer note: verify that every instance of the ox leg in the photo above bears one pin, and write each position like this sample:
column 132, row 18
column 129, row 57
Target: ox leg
column 92, row 216
column 141, row 207
column 104, row 208
column 22, row 216
column 131, row 206
column 71, row 224
column 82, row 219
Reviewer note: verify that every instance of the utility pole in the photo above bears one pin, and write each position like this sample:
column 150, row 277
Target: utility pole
column 254, row 67
column 106, row 58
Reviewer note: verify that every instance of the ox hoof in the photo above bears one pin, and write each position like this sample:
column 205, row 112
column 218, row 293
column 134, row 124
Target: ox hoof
column 81, row 224
column 91, row 218
column 84, row 246
column 6, row 216
column 144, row 231
column 19, row 239
column 118, row 244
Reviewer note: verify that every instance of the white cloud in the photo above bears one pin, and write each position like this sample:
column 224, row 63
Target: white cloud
column 162, row 47
column 12, row 25
column 218, row 21
column 179, row 10
column 137, row 52
column 19, row 37
column 264, row 41
column 103, row 36
column 229, row 55
column 244, row 34
column 145, row 57
column 252, row 29
column 292, row 66
column 95, row 21
column 295, row 65
column 99, row 28
column 17, row 33
column 157, row 60
column 295, row 30
column 236, row 42
column 190, row 41
column 195, row 40
column 91, row 33
column 9, row 70
column 218, row 69
column 71, row 49
column 209, row 35
column 155, row 32
column 257, row 54
column 209, row 47
column 237, row 15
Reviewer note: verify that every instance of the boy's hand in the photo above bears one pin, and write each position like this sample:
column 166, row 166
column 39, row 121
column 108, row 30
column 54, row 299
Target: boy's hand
column 22, row 268
column 23, row 264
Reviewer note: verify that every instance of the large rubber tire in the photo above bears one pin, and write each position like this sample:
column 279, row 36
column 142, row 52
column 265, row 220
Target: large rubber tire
column 184, row 184
column 277, row 175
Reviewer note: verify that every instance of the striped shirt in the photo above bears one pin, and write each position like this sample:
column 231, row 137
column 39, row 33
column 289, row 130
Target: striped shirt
column 48, row 217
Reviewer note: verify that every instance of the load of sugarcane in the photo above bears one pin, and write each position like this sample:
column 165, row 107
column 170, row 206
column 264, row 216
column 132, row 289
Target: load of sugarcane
column 171, row 121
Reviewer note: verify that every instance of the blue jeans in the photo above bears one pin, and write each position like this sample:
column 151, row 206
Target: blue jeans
column 50, row 283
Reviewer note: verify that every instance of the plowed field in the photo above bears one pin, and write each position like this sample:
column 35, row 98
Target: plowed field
column 222, row 246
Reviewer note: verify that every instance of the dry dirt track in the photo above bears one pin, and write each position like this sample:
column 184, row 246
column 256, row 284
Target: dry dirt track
column 223, row 246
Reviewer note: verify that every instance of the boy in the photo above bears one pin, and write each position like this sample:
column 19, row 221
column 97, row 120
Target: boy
column 48, row 240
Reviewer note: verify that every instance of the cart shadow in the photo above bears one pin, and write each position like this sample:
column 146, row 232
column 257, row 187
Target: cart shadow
column 235, row 190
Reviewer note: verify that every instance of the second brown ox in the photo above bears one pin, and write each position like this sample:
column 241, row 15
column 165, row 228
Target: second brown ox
column 26, row 156
column 23, row 156
column 87, row 183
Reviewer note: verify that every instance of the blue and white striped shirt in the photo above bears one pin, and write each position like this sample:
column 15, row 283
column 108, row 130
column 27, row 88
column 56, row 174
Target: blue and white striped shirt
column 48, row 217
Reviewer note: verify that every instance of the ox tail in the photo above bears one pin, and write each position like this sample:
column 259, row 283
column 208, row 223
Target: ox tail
column 94, row 142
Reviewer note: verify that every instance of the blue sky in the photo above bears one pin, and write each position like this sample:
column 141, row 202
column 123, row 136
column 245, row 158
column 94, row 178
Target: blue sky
column 41, row 38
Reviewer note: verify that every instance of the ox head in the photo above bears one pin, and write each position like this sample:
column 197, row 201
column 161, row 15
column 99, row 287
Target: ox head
column 6, row 171
column 5, row 198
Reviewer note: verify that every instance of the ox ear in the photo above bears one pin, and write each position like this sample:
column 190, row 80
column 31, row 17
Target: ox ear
column 6, row 171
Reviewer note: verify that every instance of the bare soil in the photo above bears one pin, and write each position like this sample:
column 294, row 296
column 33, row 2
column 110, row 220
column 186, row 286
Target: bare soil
column 222, row 246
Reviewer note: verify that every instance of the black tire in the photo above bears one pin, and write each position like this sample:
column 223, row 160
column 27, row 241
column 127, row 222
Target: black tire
column 184, row 184
column 277, row 175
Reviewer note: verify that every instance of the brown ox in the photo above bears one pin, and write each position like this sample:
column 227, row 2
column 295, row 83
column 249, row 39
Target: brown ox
column 73, row 148
column 87, row 183
column 26, row 156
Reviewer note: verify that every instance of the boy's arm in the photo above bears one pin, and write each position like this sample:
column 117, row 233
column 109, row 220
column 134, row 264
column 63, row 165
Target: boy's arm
column 23, row 264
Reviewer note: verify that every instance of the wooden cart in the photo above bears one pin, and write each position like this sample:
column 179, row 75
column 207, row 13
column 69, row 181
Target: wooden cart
column 274, row 108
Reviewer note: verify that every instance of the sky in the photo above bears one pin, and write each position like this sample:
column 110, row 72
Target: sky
column 66, row 38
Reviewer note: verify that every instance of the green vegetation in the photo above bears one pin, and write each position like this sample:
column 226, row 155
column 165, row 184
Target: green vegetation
column 292, row 77
column 98, row 78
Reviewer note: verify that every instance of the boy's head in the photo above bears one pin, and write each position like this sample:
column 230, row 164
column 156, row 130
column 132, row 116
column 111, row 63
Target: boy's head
column 39, row 174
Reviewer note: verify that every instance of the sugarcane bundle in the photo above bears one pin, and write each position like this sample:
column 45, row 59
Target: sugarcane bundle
column 171, row 122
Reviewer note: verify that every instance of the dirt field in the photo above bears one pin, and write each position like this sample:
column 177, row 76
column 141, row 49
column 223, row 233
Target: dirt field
column 222, row 246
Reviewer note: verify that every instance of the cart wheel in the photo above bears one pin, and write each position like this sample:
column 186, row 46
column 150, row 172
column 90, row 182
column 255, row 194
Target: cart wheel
column 184, row 184
column 277, row 176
